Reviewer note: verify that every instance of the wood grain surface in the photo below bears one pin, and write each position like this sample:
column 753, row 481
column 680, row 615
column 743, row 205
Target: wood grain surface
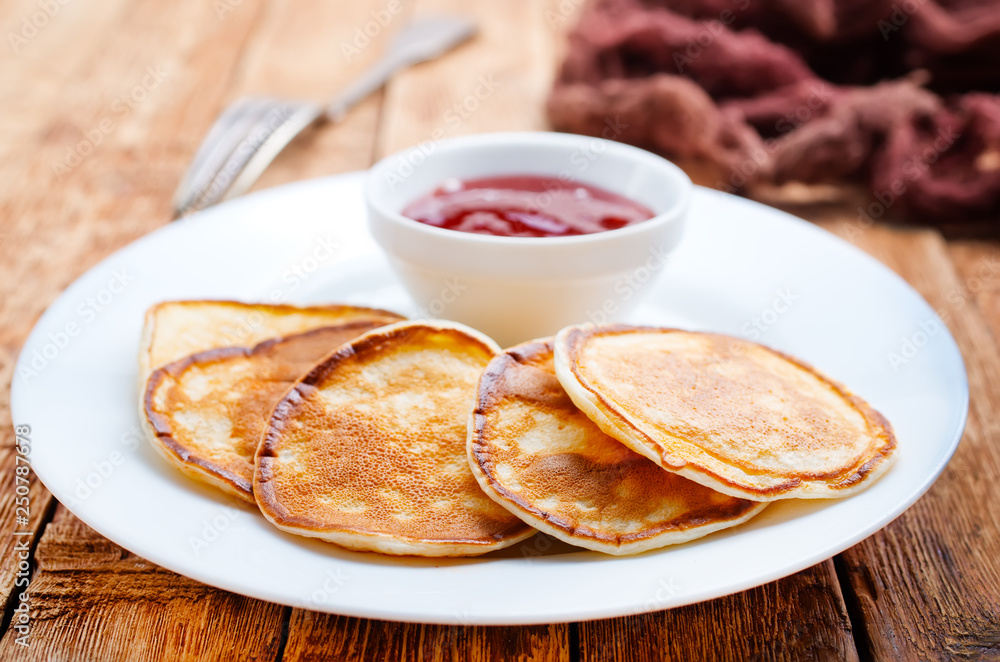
column 100, row 112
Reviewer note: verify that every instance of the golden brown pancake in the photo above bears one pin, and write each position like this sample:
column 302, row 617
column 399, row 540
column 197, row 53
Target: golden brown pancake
column 175, row 329
column 368, row 450
column 207, row 411
column 540, row 457
column 724, row 412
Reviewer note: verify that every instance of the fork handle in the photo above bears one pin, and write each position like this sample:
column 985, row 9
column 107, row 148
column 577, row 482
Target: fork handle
column 361, row 87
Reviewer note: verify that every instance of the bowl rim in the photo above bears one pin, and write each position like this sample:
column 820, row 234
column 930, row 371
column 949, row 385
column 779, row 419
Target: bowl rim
column 553, row 139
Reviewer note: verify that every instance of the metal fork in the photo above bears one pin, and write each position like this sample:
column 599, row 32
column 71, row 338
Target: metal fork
column 251, row 131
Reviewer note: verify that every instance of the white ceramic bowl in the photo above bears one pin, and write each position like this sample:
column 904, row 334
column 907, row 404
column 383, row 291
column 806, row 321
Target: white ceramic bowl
column 516, row 288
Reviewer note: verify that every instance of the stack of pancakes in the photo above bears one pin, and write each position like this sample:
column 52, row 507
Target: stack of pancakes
column 355, row 426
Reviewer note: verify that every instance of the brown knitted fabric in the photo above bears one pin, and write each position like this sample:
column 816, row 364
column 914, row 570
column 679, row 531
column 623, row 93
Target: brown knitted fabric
column 898, row 94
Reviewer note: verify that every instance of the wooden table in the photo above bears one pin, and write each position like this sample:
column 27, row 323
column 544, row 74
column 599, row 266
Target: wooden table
column 103, row 106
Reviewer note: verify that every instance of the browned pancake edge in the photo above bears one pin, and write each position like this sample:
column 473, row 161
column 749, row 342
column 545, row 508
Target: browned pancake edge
column 618, row 423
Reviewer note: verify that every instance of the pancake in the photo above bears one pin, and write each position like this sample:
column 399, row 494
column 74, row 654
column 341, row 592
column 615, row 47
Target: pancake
column 542, row 459
column 368, row 450
column 175, row 329
column 730, row 414
column 206, row 412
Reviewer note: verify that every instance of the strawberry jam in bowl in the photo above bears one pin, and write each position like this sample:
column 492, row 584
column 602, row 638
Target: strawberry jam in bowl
column 521, row 234
column 525, row 206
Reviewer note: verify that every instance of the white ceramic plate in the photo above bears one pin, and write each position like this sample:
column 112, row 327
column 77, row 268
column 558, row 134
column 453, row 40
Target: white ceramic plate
column 743, row 269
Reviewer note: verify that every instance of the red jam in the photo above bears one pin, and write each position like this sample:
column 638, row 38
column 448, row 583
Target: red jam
column 525, row 206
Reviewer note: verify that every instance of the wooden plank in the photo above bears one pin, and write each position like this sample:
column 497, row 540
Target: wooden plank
column 497, row 82
column 118, row 147
column 978, row 264
column 38, row 226
column 100, row 91
column 926, row 584
column 45, row 48
column 313, row 636
column 18, row 538
column 802, row 617
column 96, row 601
column 27, row 80
column 112, row 195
